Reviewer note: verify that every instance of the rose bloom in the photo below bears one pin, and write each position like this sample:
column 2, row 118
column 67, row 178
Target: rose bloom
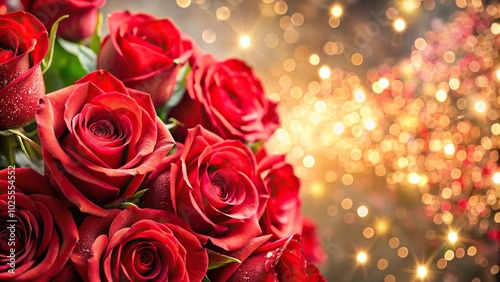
column 226, row 98
column 282, row 217
column 24, row 42
column 281, row 260
column 213, row 185
column 100, row 140
column 138, row 245
column 43, row 234
column 145, row 53
column 80, row 24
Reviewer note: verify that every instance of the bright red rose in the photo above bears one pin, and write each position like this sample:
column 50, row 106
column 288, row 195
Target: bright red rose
column 100, row 140
column 281, row 260
column 144, row 52
column 313, row 250
column 226, row 98
column 282, row 217
column 138, row 245
column 36, row 228
column 23, row 44
column 213, row 185
column 82, row 19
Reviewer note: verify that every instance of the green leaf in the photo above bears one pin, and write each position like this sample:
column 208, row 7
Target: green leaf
column 47, row 60
column 217, row 260
column 53, row 81
column 95, row 40
column 85, row 55
column 255, row 146
column 67, row 66
column 205, row 279
column 179, row 90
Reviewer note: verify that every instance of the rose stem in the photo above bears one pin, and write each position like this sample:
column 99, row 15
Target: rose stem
column 7, row 148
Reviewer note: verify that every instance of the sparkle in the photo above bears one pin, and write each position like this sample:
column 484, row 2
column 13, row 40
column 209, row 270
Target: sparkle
column 362, row 257
column 337, row 11
column 496, row 178
column 480, row 106
column 324, row 72
column 452, row 237
column 245, row 41
column 422, row 271
column 362, row 211
column 399, row 24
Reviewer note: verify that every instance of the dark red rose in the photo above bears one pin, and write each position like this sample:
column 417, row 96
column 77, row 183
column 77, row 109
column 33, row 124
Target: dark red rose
column 226, row 98
column 138, row 245
column 313, row 250
column 100, row 140
column 282, row 217
column 36, row 228
column 82, row 19
column 281, row 260
column 213, row 185
column 23, row 44
column 144, row 52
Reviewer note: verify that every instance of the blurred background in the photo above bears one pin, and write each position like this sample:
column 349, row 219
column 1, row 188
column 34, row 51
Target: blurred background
column 390, row 116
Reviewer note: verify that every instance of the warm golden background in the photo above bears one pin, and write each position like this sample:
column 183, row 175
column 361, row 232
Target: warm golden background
column 390, row 115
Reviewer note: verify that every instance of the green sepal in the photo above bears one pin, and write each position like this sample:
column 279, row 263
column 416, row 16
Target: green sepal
column 133, row 200
column 217, row 260
column 47, row 60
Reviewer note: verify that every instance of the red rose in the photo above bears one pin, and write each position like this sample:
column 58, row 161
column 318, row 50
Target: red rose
column 23, row 44
column 281, row 260
column 226, row 98
column 144, row 52
column 282, row 217
column 99, row 140
column 138, row 245
column 38, row 233
column 313, row 250
column 213, row 185
column 82, row 19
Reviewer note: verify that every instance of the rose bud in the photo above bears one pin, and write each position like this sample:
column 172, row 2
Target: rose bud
column 226, row 98
column 24, row 42
column 213, row 185
column 282, row 216
column 99, row 140
column 38, row 232
column 138, row 245
column 145, row 53
column 82, row 20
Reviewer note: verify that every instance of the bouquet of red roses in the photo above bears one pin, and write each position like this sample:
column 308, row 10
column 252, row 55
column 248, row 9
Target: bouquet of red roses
column 151, row 164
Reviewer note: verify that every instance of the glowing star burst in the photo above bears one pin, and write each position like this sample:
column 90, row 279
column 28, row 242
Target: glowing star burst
column 496, row 178
column 245, row 41
column 452, row 237
column 337, row 11
column 362, row 257
column 480, row 106
column 399, row 24
column 422, row 271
